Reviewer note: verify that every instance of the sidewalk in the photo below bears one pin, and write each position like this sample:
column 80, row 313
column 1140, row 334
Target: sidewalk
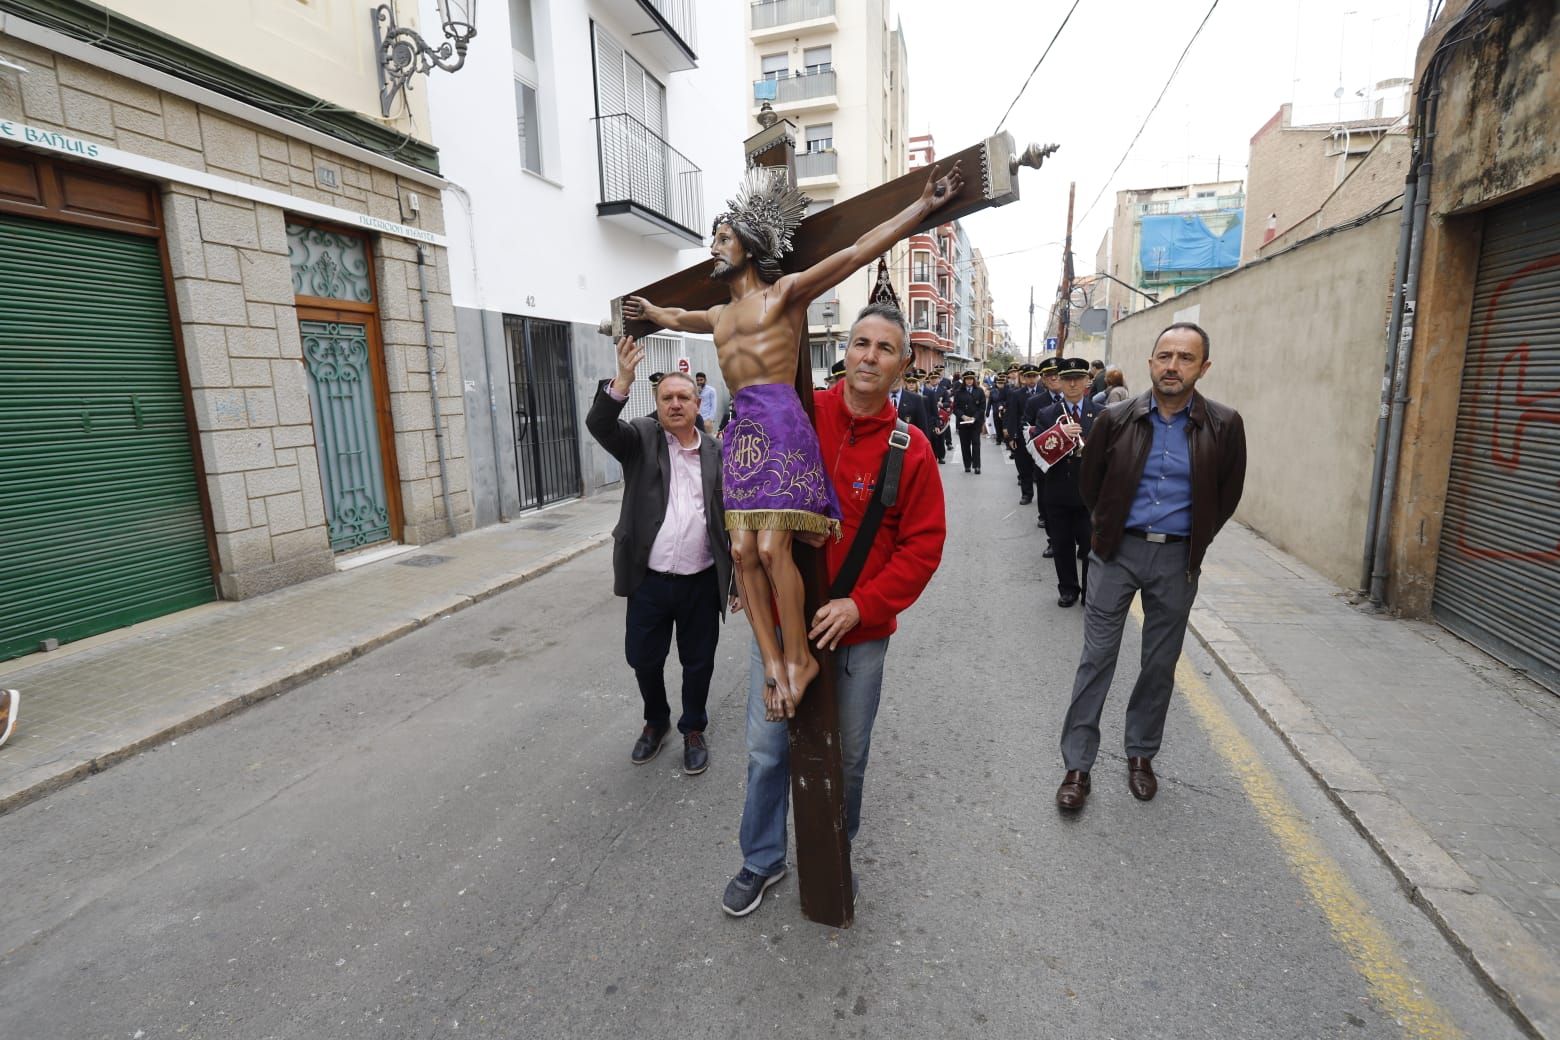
column 95, row 702
column 1447, row 761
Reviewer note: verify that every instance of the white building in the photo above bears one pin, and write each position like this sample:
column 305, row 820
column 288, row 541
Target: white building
column 837, row 69
column 588, row 145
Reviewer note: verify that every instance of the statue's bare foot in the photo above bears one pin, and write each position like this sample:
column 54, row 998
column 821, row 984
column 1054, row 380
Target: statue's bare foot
column 801, row 674
column 774, row 710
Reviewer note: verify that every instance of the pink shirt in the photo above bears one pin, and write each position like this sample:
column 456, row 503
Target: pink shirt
column 682, row 546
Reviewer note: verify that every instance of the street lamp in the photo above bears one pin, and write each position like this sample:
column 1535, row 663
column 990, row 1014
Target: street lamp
column 403, row 53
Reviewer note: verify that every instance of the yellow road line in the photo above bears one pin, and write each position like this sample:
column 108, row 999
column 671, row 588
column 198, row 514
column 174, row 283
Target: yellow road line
column 1372, row 950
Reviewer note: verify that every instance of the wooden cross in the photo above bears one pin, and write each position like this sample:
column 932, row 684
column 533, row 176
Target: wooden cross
column 817, row 777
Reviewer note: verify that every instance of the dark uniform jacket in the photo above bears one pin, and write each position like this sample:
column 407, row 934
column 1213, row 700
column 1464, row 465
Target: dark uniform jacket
column 1061, row 480
column 1041, row 400
column 640, row 445
column 1018, row 400
column 913, row 410
column 1114, row 457
column 969, row 402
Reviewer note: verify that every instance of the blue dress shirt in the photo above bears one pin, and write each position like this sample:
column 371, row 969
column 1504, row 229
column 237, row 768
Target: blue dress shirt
column 1163, row 502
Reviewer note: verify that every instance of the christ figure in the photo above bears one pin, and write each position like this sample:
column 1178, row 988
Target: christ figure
column 774, row 484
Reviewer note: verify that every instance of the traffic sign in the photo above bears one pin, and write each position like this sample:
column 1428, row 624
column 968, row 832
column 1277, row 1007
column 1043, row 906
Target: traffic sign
column 1050, row 343
column 683, row 366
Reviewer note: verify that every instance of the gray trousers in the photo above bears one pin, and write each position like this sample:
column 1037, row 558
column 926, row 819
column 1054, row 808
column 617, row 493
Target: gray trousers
column 1159, row 572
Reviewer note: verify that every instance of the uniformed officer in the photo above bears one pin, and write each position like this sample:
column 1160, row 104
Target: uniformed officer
column 939, row 404
column 1039, row 400
column 996, row 405
column 837, row 371
column 1066, row 517
column 1018, row 399
column 969, row 411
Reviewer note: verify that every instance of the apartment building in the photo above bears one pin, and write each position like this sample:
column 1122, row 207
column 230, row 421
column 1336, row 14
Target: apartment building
column 229, row 341
column 837, row 69
column 1163, row 241
column 587, row 146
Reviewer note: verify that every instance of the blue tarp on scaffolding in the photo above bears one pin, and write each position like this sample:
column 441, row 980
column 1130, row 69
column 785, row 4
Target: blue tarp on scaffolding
column 1182, row 242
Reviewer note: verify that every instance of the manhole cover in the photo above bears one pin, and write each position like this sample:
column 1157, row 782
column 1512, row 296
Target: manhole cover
column 424, row 561
column 542, row 525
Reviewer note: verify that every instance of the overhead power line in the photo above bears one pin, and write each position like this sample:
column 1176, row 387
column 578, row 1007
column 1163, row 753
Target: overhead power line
column 1152, row 109
column 1036, row 69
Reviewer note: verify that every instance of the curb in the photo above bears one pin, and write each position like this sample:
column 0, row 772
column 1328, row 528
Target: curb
column 1503, row 954
column 288, row 677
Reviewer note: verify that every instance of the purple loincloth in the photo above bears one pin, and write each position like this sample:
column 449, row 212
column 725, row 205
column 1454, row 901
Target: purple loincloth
column 772, row 475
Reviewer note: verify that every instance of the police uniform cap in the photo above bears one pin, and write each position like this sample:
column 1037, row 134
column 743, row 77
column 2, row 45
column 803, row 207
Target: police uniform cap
column 1047, row 366
column 656, row 377
column 1026, row 370
column 1073, row 366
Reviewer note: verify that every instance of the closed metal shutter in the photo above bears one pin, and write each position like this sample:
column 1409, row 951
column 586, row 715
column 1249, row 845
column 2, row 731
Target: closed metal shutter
column 100, row 515
column 1498, row 579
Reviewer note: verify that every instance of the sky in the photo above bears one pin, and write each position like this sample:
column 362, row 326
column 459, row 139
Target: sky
column 1090, row 95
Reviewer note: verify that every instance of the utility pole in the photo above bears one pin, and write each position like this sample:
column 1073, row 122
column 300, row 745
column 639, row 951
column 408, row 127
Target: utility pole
column 1064, row 313
column 1029, row 351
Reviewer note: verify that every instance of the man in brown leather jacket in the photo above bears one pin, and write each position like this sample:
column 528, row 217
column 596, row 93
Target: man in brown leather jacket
column 1161, row 474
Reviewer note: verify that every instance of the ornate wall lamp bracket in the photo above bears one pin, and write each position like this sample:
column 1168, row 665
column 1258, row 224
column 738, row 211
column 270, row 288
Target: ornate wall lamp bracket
column 403, row 53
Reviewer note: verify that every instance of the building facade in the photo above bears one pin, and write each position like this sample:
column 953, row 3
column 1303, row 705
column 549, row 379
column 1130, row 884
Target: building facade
column 1165, row 240
column 229, row 345
column 1300, row 179
column 838, row 69
column 587, row 146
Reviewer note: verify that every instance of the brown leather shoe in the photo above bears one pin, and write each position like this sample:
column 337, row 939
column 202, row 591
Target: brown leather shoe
column 1141, row 780
column 1074, row 790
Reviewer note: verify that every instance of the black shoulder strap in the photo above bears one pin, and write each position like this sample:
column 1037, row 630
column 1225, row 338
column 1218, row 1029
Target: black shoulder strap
column 884, row 495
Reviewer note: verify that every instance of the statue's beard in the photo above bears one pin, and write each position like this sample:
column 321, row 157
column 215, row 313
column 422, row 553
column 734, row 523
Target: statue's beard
column 724, row 272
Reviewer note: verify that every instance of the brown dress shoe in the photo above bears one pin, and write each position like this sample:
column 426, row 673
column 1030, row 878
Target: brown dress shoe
column 1074, row 790
column 1140, row 779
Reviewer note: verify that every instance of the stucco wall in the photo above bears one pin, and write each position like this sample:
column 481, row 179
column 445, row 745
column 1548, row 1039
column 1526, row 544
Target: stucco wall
column 1298, row 342
column 323, row 47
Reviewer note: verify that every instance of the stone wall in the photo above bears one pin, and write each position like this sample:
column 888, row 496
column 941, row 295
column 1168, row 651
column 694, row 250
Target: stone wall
column 235, row 300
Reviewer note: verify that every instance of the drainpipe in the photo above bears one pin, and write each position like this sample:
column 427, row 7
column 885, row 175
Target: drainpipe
column 1394, row 329
column 433, row 384
column 1405, row 344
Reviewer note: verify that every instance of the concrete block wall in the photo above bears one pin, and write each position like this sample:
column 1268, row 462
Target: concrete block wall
column 234, row 293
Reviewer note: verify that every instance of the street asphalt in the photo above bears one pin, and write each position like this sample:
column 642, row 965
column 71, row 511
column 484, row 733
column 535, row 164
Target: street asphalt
column 446, row 838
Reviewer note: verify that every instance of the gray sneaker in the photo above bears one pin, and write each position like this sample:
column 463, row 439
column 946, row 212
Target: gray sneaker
column 746, row 891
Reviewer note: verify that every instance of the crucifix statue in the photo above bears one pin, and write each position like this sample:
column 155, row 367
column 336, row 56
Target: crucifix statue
column 768, row 263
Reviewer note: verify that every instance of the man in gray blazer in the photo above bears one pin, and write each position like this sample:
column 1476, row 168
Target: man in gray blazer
column 670, row 553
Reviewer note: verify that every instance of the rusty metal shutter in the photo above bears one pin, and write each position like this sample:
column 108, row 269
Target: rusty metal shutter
column 1498, row 579
column 100, row 515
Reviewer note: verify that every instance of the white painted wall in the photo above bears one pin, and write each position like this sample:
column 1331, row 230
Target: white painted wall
column 528, row 245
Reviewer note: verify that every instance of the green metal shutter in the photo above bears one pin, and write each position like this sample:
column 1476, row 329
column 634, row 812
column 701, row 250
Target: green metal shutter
column 1498, row 579
column 100, row 515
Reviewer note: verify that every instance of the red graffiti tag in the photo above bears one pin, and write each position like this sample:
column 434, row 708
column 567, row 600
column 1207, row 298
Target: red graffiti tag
column 1510, row 408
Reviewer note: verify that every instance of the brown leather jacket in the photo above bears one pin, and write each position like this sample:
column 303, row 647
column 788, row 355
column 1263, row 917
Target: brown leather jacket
column 1117, row 448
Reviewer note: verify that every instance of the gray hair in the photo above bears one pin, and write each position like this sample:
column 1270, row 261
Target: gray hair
column 888, row 312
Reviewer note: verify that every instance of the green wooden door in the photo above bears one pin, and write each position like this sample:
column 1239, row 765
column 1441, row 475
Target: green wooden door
column 100, row 515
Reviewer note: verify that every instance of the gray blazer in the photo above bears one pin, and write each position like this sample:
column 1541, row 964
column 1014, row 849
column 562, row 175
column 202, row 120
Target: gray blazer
column 640, row 445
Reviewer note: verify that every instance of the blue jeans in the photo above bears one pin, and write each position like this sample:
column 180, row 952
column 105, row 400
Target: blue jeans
column 858, row 687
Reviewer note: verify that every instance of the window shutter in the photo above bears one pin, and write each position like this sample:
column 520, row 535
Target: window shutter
column 611, row 94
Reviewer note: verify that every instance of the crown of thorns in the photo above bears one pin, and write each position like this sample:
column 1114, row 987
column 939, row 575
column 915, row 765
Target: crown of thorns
column 768, row 206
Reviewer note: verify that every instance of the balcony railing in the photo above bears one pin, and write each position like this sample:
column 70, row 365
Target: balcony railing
column 804, row 87
column 679, row 15
column 770, row 13
column 639, row 169
column 1204, row 205
column 921, row 273
column 817, row 164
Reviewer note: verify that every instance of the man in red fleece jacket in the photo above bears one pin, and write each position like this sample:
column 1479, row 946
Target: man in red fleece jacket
column 854, row 419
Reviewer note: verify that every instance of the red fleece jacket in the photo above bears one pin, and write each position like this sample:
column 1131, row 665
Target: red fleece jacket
column 909, row 544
